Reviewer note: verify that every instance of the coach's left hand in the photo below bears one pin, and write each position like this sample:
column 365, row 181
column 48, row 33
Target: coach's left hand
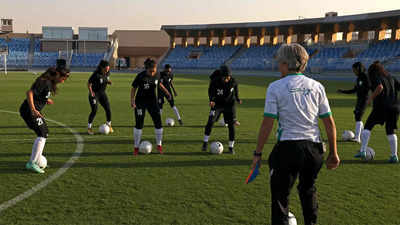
column 256, row 160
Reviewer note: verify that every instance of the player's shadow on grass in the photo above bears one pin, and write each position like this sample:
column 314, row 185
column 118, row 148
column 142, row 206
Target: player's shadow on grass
column 23, row 133
column 199, row 153
column 216, row 125
column 170, row 164
column 17, row 167
column 359, row 161
column 67, row 154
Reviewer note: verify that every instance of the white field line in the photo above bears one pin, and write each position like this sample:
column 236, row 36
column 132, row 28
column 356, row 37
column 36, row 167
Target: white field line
column 51, row 178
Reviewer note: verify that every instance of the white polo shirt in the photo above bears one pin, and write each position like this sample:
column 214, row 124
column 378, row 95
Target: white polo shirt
column 297, row 102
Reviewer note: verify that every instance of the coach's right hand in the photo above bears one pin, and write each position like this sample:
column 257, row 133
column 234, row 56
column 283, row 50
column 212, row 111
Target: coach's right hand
column 212, row 104
column 333, row 161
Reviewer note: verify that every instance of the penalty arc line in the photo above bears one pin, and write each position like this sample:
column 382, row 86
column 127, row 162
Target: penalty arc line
column 51, row 178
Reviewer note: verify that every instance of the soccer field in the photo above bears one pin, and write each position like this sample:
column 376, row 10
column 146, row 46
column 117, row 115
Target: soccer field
column 108, row 185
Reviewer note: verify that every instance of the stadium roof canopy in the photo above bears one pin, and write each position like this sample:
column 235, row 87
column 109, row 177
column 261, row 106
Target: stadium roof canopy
column 368, row 21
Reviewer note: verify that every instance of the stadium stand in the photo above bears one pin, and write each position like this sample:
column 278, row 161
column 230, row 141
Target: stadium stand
column 17, row 51
column 199, row 57
column 326, row 57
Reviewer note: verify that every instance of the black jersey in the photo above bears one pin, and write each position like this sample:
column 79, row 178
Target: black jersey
column 146, row 85
column 391, row 87
column 388, row 96
column 41, row 92
column 99, row 81
column 223, row 93
column 166, row 79
column 215, row 74
column 361, row 88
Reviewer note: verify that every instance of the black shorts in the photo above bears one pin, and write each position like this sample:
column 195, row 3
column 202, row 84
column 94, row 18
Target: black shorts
column 381, row 116
column 228, row 111
column 140, row 112
column 37, row 124
column 161, row 101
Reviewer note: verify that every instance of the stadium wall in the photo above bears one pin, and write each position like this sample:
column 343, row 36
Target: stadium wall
column 137, row 45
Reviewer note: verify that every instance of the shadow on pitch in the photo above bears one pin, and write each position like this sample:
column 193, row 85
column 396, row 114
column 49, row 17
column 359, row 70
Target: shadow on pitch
column 18, row 166
column 359, row 161
column 11, row 127
column 171, row 164
column 20, row 133
column 185, row 153
column 65, row 154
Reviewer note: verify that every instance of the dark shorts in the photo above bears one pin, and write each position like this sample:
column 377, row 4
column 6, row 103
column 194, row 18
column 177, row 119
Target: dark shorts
column 381, row 116
column 161, row 100
column 229, row 113
column 154, row 111
column 37, row 124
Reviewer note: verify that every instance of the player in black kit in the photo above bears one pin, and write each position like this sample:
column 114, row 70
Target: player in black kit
column 143, row 97
column 223, row 93
column 385, row 109
column 166, row 78
column 36, row 99
column 97, row 85
column 362, row 89
column 223, row 69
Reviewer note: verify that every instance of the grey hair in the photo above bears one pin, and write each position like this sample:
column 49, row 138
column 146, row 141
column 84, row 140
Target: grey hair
column 294, row 55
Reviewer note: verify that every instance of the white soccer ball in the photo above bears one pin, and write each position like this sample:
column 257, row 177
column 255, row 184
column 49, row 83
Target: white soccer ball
column 170, row 122
column 370, row 154
column 347, row 135
column 145, row 147
column 292, row 219
column 42, row 162
column 216, row 148
column 104, row 129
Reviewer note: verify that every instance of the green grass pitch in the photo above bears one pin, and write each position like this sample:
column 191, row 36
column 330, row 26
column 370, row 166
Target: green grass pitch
column 107, row 185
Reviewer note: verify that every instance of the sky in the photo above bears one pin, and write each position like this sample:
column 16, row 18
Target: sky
column 31, row 15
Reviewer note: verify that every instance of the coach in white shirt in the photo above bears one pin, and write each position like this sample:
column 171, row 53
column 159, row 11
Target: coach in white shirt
column 297, row 102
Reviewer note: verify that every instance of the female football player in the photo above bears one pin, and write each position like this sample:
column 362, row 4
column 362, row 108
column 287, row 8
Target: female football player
column 166, row 78
column 97, row 85
column 385, row 109
column 223, row 94
column 362, row 89
column 143, row 97
column 36, row 99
